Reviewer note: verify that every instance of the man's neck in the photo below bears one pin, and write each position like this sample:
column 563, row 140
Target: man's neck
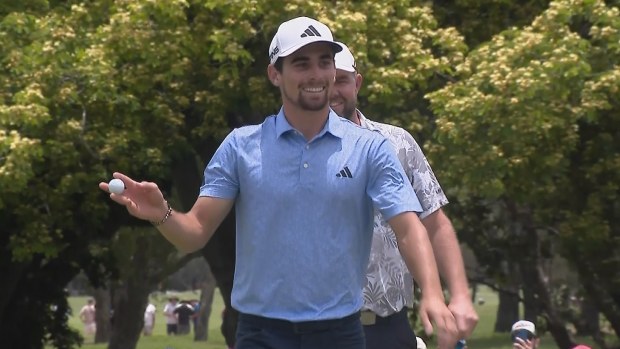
column 355, row 117
column 309, row 123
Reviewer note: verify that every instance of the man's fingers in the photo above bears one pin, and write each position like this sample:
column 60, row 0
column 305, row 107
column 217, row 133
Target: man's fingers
column 123, row 178
column 450, row 331
column 121, row 199
column 520, row 344
column 466, row 317
column 130, row 184
column 466, row 325
column 426, row 322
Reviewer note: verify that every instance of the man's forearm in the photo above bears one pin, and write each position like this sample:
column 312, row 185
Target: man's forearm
column 190, row 231
column 417, row 252
column 184, row 231
column 447, row 253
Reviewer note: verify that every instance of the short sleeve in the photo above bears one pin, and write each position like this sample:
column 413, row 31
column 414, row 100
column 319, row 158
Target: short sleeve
column 221, row 177
column 388, row 185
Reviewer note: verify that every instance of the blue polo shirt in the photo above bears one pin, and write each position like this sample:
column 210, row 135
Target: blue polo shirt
column 304, row 213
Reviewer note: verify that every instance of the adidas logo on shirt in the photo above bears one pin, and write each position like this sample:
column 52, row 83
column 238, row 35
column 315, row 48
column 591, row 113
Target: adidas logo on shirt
column 344, row 173
column 311, row 31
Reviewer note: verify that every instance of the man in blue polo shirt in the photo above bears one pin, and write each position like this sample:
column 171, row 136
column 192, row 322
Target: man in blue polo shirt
column 304, row 184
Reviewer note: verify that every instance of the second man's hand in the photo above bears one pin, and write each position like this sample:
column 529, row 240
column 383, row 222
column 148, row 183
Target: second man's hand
column 464, row 314
column 434, row 312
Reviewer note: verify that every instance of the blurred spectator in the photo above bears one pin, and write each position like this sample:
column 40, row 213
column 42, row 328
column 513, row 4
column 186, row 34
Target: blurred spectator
column 149, row 319
column 523, row 335
column 172, row 323
column 184, row 312
column 87, row 316
column 196, row 306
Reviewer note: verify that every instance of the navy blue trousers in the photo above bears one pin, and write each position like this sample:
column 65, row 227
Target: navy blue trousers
column 392, row 332
column 255, row 332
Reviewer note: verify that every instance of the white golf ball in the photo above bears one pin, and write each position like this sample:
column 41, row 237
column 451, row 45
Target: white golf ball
column 116, row 186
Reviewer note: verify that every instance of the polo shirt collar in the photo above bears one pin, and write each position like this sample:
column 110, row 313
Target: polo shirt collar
column 334, row 125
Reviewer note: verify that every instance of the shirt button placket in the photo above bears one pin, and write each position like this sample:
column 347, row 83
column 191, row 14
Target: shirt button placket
column 304, row 175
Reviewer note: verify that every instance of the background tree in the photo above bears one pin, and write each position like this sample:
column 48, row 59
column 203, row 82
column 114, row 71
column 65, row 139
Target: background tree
column 479, row 20
column 529, row 129
column 48, row 215
column 150, row 89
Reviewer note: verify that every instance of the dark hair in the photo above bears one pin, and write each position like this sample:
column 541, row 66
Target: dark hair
column 278, row 64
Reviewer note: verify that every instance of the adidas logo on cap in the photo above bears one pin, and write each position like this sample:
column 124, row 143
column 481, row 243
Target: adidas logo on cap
column 310, row 32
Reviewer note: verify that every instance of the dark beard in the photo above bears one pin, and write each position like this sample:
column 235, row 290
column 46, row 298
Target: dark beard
column 305, row 105
column 349, row 111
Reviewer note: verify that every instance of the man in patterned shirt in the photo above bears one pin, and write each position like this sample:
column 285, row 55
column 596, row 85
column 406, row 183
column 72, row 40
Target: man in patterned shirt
column 389, row 287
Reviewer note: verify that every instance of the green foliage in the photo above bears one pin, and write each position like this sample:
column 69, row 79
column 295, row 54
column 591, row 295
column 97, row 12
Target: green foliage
column 480, row 20
column 525, row 93
column 89, row 87
column 531, row 129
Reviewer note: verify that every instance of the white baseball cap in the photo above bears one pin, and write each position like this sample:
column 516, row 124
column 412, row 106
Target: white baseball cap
column 520, row 328
column 344, row 59
column 420, row 343
column 296, row 33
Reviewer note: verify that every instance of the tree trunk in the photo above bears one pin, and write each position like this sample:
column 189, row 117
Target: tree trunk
column 588, row 324
column 531, row 304
column 474, row 292
column 604, row 302
column 201, row 329
column 532, row 267
column 129, row 304
column 102, row 315
column 219, row 252
column 555, row 323
column 9, row 279
column 507, row 311
column 130, row 300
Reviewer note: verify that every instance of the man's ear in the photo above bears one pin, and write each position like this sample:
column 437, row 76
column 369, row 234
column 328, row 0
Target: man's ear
column 358, row 82
column 274, row 75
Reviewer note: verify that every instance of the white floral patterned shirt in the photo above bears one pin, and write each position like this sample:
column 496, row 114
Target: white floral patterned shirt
column 389, row 285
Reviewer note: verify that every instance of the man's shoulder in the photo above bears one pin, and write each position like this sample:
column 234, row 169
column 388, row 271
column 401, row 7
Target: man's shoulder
column 357, row 131
column 386, row 129
column 249, row 130
column 397, row 135
column 246, row 136
column 376, row 124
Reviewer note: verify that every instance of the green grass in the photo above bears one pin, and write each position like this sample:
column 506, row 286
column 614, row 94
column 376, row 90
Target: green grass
column 485, row 337
column 482, row 338
column 159, row 339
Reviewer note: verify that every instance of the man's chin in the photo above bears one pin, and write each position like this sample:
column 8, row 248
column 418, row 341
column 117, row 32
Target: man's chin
column 313, row 105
